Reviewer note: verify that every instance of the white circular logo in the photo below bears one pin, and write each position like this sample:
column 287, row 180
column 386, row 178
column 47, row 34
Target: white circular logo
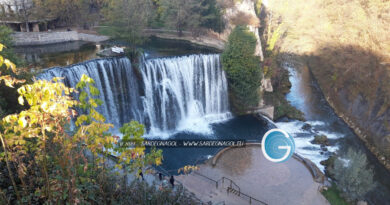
column 277, row 145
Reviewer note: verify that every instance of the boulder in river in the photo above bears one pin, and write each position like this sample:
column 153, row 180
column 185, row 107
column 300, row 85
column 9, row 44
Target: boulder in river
column 321, row 140
column 306, row 127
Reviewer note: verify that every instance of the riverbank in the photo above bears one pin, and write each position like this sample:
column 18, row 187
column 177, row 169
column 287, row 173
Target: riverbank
column 203, row 40
column 358, row 131
column 348, row 57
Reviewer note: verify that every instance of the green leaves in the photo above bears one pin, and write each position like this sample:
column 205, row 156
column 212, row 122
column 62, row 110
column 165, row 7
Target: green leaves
column 243, row 69
column 38, row 141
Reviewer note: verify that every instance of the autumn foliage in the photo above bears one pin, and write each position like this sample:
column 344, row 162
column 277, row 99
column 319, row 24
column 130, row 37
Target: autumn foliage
column 47, row 161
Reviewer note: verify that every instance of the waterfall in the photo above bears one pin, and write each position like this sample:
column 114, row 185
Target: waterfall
column 187, row 92
column 116, row 81
column 166, row 94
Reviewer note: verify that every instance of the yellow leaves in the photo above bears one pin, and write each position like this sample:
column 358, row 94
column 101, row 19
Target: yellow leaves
column 9, row 65
column 10, row 119
column 274, row 37
column 158, row 161
column 20, row 142
column 44, row 106
column 21, row 100
column 84, row 81
column 187, row 169
column 22, row 122
column 10, row 81
column 81, row 119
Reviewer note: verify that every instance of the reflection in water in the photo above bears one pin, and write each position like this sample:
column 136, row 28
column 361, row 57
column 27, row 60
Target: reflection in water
column 240, row 127
column 63, row 54
column 57, row 54
column 306, row 96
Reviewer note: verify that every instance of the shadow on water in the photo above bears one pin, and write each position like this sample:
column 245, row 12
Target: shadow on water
column 61, row 54
column 68, row 53
column 237, row 128
column 307, row 96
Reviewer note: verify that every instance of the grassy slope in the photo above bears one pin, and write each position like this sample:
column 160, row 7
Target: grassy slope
column 334, row 197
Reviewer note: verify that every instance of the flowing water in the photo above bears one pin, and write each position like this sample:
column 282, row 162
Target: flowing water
column 176, row 98
column 166, row 94
column 306, row 96
column 187, row 98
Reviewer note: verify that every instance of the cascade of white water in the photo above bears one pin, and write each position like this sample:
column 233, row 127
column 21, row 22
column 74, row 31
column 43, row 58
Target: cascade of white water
column 167, row 94
column 185, row 93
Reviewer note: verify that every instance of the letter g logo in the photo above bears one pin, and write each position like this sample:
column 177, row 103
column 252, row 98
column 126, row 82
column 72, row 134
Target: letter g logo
column 277, row 145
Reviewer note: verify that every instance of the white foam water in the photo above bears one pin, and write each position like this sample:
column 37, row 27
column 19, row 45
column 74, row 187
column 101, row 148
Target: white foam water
column 303, row 138
column 168, row 95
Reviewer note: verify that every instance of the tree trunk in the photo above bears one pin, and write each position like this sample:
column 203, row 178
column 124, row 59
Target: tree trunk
column 27, row 27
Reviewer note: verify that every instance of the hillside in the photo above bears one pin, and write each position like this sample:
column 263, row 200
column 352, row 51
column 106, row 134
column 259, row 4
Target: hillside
column 346, row 45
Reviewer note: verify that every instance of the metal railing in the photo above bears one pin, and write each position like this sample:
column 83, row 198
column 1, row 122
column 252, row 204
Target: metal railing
column 212, row 180
column 166, row 173
column 232, row 188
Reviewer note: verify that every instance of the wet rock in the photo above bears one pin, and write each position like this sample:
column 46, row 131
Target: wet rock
column 306, row 127
column 324, row 149
column 321, row 140
column 110, row 52
column 329, row 165
column 283, row 119
column 361, row 203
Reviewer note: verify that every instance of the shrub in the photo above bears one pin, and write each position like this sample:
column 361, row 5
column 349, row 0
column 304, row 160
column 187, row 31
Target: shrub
column 353, row 176
column 46, row 162
column 243, row 69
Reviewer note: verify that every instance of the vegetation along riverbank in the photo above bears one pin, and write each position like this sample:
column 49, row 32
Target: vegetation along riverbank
column 56, row 134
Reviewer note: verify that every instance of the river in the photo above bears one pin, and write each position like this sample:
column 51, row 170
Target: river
column 163, row 85
column 306, row 96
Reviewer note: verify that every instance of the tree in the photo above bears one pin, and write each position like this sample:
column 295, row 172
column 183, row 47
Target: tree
column 243, row 69
column 47, row 162
column 23, row 10
column 212, row 16
column 128, row 18
column 192, row 15
column 70, row 12
column 9, row 95
column 180, row 14
column 6, row 39
column 353, row 175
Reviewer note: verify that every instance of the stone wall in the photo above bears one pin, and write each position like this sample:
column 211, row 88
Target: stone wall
column 43, row 38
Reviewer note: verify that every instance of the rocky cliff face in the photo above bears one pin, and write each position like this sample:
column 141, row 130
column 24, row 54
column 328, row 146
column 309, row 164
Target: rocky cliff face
column 346, row 46
column 359, row 94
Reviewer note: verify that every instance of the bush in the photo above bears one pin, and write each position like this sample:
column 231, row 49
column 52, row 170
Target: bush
column 243, row 69
column 353, row 176
column 6, row 40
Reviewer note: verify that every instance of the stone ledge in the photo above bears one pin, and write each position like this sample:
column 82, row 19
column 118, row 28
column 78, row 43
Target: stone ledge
column 45, row 38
